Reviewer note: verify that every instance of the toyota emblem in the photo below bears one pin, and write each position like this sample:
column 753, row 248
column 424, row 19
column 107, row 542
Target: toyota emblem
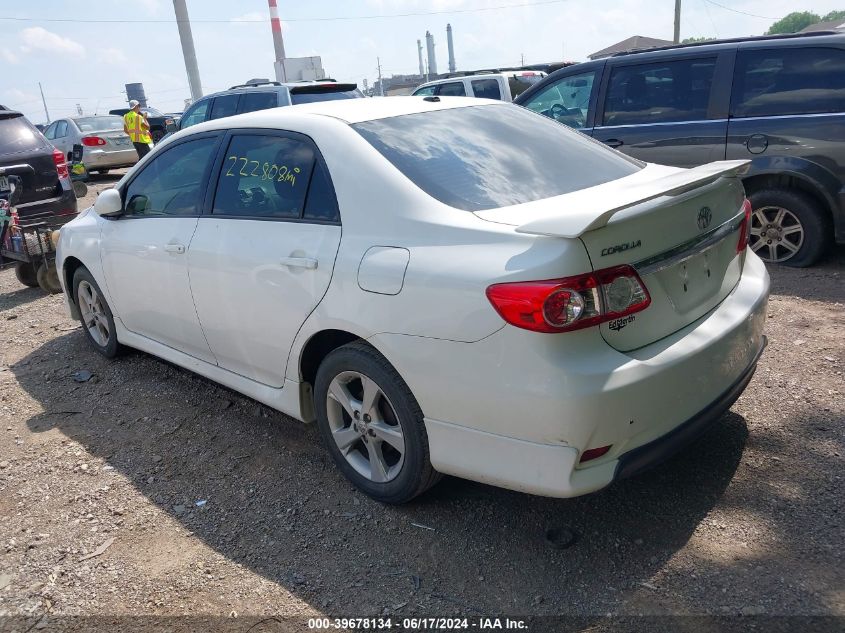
column 704, row 217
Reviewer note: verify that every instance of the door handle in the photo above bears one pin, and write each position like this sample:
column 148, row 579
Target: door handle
column 300, row 262
column 614, row 142
column 175, row 248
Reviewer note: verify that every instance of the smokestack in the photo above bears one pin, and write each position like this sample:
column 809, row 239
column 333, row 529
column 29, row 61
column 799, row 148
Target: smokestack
column 278, row 42
column 451, row 46
column 432, row 60
column 188, row 52
column 419, row 52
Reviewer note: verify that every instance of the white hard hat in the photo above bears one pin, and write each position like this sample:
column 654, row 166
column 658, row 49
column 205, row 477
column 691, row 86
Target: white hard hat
column 133, row 103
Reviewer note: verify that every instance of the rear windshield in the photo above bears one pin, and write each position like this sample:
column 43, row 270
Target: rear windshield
column 323, row 95
column 17, row 135
column 485, row 157
column 152, row 112
column 97, row 123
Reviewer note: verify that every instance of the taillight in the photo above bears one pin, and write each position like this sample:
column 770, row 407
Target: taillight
column 744, row 231
column 92, row 141
column 61, row 164
column 570, row 303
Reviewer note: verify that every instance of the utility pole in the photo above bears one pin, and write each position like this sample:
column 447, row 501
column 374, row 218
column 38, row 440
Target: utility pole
column 380, row 82
column 44, row 101
column 677, row 38
column 188, row 52
column 522, row 59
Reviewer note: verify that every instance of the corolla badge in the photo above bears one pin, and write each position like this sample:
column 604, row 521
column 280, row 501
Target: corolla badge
column 705, row 215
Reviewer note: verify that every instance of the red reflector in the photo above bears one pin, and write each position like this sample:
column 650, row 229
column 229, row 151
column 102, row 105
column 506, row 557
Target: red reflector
column 92, row 141
column 744, row 229
column 593, row 453
column 61, row 164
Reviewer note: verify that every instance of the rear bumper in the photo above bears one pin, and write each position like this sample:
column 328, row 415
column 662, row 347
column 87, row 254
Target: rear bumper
column 56, row 210
column 112, row 159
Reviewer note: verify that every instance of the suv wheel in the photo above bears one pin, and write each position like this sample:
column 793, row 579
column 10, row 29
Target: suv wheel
column 372, row 425
column 788, row 227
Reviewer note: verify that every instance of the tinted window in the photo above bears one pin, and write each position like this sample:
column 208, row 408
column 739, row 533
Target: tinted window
column 323, row 95
column 321, row 203
column 566, row 100
column 172, row 182
column 484, row 157
column 224, row 106
column 486, row 89
column 452, row 89
column 659, row 92
column 789, row 81
column 97, row 123
column 61, row 129
column 264, row 176
column 152, row 112
column 17, row 135
column 252, row 101
column 196, row 114
column 424, row 92
column 520, row 83
column 50, row 132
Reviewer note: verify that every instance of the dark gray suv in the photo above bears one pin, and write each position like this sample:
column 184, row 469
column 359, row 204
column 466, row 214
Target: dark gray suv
column 779, row 101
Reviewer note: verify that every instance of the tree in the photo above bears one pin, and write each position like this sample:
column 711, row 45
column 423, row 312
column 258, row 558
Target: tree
column 694, row 40
column 794, row 22
column 834, row 15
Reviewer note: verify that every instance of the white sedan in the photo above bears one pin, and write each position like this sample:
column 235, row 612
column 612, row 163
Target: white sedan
column 444, row 285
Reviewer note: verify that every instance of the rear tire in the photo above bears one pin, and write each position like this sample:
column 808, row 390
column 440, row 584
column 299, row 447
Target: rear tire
column 95, row 314
column 48, row 278
column 26, row 274
column 788, row 227
column 382, row 448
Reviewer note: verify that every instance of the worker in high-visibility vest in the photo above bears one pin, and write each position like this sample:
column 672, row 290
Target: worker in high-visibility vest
column 135, row 124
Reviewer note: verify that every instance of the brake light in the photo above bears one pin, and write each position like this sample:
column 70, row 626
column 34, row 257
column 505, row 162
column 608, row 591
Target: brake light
column 744, row 231
column 61, row 164
column 570, row 303
column 92, row 141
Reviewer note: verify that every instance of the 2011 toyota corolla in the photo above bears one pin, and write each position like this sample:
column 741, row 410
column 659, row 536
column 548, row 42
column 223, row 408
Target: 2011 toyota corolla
column 445, row 285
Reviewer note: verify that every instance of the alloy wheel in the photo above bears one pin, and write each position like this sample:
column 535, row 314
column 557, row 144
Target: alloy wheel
column 93, row 315
column 776, row 233
column 365, row 427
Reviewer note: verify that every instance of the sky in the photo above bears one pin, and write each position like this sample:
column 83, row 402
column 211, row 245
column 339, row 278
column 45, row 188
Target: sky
column 79, row 61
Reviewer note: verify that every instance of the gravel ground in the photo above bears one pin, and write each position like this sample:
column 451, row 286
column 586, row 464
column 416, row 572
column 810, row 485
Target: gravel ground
column 208, row 503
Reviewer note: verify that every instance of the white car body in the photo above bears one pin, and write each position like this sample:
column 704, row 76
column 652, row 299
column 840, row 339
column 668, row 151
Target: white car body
column 239, row 300
column 508, row 85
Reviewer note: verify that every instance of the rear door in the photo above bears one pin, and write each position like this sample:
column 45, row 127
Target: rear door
column 262, row 259
column 24, row 152
column 486, row 88
column 671, row 111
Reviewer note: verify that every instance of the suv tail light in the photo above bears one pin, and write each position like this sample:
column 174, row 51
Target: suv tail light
column 61, row 164
column 93, row 141
column 744, row 228
column 570, row 303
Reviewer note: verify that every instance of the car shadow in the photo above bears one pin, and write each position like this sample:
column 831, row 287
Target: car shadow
column 259, row 489
column 19, row 297
column 821, row 282
column 97, row 177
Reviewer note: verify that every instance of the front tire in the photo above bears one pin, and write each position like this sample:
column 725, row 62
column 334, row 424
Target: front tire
column 95, row 314
column 788, row 227
column 372, row 425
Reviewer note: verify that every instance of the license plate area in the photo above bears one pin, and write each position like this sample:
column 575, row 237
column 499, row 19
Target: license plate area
column 696, row 280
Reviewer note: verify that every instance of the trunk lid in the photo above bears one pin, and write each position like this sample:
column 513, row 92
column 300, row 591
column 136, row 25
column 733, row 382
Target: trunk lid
column 677, row 227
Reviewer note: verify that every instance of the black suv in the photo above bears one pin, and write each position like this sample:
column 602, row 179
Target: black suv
column 46, row 193
column 778, row 101
column 261, row 95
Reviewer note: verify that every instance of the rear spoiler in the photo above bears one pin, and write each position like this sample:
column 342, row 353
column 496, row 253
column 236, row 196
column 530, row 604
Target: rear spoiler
column 588, row 209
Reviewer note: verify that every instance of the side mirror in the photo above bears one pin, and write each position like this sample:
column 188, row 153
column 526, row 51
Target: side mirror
column 108, row 203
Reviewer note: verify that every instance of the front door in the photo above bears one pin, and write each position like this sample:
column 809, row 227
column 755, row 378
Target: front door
column 144, row 251
column 262, row 260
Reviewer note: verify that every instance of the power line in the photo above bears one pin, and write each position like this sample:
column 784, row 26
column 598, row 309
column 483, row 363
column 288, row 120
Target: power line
column 753, row 15
column 333, row 19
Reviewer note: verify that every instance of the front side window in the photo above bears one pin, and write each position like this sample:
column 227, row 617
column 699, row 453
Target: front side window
column 522, row 82
column 424, row 92
column 491, row 156
column 254, row 101
column 789, row 81
column 224, row 106
column 452, row 89
column 264, row 177
column 61, row 129
column 566, row 101
column 197, row 114
column 486, row 89
column 172, row 183
column 660, row 92
column 50, row 132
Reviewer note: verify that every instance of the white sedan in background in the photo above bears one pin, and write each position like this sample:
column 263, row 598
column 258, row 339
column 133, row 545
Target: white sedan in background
column 445, row 285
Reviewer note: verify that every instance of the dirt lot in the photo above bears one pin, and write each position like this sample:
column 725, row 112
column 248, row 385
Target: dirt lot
column 212, row 504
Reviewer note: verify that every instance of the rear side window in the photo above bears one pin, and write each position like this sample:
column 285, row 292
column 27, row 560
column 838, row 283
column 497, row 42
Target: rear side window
column 18, row 135
column 61, row 129
column 253, row 101
column 312, row 95
column 490, row 156
column 224, row 106
column 486, row 89
column 264, row 177
column 452, row 89
column 661, row 92
column 789, row 81
column 197, row 114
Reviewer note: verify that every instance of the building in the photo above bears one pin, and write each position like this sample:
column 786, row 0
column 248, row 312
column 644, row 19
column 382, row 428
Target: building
column 831, row 25
column 633, row 43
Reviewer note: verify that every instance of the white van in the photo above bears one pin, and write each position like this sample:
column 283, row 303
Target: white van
column 504, row 86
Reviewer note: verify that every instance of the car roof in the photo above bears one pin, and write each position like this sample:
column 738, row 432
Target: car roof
column 461, row 77
column 347, row 110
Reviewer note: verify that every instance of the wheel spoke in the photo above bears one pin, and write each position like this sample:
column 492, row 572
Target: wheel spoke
column 378, row 467
column 371, row 394
column 761, row 217
column 756, row 230
column 756, row 246
column 345, row 437
column 792, row 248
column 340, row 394
column 773, row 252
column 390, row 434
column 779, row 216
column 789, row 230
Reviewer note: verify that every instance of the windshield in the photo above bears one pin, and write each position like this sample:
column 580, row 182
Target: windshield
column 312, row 97
column 152, row 111
column 97, row 123
column 485, row 157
